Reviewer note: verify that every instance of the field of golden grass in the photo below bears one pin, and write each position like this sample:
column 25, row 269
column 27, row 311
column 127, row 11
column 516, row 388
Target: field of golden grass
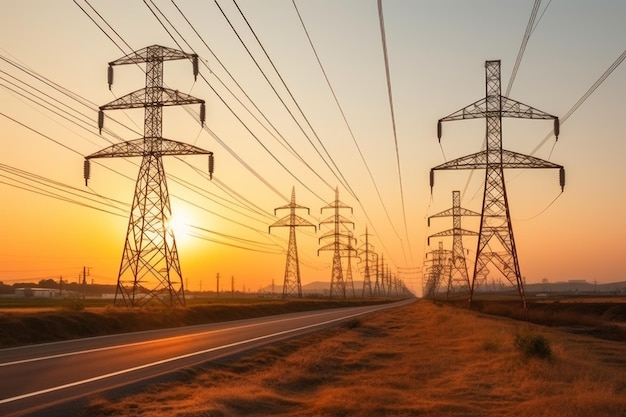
column 421, row 360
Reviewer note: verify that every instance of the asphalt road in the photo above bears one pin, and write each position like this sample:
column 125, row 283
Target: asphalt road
column 43, row 377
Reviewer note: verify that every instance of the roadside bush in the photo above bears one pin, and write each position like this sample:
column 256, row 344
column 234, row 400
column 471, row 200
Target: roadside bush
column 533, row 345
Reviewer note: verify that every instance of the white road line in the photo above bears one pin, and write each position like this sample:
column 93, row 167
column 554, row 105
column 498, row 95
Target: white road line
column 81, row 352
column 188, row 355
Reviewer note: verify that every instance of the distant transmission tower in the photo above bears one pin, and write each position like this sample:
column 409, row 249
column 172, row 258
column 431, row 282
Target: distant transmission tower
column 458, row 281
column 292, row 285
column 337, row 283
column 150, row 268
column 495, row 217
column 347, row 253
column 437, row 271
column 367, row 252
column 377, row 291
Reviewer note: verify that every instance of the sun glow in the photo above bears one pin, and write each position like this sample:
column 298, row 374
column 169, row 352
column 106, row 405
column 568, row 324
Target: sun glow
column 180, row 224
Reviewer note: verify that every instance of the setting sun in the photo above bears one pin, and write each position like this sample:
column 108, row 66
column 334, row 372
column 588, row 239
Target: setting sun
column 180, row 225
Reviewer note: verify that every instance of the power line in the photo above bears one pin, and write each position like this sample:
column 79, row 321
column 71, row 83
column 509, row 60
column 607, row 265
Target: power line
column 340, row 108
column 339, row 174
column 283, row 103
column 584, row 97
column 381, row 20
column 520, row 54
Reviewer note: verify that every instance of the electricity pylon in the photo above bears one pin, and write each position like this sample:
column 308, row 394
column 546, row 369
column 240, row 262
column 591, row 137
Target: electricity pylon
column 458, row 279
column 150, row 268
column 368, row 254
column 495, row 219
column 337, row 283
column 347, row 253
column 376, row 291
column 438, row 269
column 292, row 284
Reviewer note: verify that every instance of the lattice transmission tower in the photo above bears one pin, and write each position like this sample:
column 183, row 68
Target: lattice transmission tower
column 376, row 292
column 150, row 267
column 348, row 277
column 437, row 271
column 495, row 220
column 367, row 257
column 292, row 285
column 337, row 283
column 458, row 280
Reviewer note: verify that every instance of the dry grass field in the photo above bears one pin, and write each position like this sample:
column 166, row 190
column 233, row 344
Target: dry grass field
column 421, row 360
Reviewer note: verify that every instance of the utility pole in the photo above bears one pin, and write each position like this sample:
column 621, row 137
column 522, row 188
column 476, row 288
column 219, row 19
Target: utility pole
column 337, row 284
column 292, row 284
column 218, row 284
column 458, row 279
column 150, row 267
column 495, row 220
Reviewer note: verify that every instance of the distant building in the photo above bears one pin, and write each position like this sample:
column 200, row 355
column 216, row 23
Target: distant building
column 37, row 292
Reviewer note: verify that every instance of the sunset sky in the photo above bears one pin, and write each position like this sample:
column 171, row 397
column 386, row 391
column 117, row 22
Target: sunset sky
column 53, row 77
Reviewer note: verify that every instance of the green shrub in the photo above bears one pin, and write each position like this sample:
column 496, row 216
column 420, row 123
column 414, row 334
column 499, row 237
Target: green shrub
column 533, row 345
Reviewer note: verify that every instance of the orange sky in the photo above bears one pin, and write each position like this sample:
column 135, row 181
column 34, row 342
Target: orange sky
column 436, row 57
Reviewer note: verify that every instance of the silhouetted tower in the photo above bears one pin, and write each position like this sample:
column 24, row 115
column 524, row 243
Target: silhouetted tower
column 150, row 268
column 458, row 281
column 377, row 292
column 349, row 281
column 292, row 284
column 495, row 217
column 437, row 271
column 382, row 288
column 367, row 252
column 337, row 284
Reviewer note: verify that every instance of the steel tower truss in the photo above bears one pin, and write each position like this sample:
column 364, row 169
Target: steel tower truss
column 292, row 285
column 367, row 257
column 377, row 291
column 150, row 267
column 438, row 269
column 458, row 281
column 337, row 283
column 347, row 253
column 495, row 220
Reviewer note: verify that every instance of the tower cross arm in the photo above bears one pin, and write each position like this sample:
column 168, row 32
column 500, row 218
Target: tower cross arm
column 508, row 108
column 509, row 159
column 512, row 159
column 334, row 246
column 341, row 219
column 513, row 108
column 450, row 213
column 139, row 99
column 476, row 160
column 292, row 205
column 137, row 147
column 292, row 221
column 453, row 232
column 144, row 55
column 333, row 234
column 476, row 110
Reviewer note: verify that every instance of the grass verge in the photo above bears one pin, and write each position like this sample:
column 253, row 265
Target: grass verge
column 420, row 360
